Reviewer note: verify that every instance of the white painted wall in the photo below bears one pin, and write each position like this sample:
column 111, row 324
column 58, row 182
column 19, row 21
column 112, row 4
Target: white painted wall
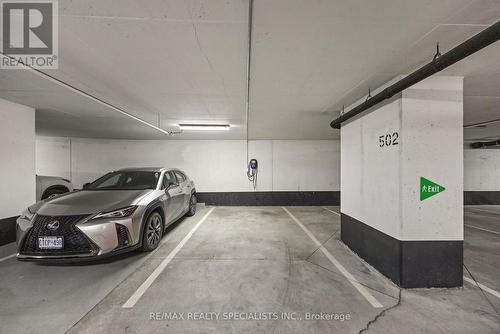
column 53, row 157
column 482, row 170
column 432, row 137
column 17, row 152
column 214, row 165
column 380, row 185
column 370, row 187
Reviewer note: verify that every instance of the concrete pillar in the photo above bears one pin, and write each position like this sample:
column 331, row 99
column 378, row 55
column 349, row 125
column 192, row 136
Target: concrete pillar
column 17, row 165
column 402, row 185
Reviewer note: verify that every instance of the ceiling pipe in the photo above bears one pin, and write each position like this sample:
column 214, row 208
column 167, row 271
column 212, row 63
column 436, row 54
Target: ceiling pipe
column 481, row 144
column 90, row 96
column 440, row 62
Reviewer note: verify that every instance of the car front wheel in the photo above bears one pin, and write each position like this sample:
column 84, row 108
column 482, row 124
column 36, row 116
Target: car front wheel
column 153, row 231
column 192, row 206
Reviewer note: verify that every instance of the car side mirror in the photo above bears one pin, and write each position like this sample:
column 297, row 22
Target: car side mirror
column 86, row 185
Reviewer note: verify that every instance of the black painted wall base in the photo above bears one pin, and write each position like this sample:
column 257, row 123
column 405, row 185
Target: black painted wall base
column 270, row 198
column 481, row 197
column 7, row 230
column 409, row 264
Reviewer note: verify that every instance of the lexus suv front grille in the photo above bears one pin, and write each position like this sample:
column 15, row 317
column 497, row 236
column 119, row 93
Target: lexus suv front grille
column 74, row 241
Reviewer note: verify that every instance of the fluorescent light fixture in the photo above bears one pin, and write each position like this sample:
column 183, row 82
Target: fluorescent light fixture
column 205, row 127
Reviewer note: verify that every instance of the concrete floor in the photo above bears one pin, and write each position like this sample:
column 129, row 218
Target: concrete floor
column 249, row 259
column 482, row 246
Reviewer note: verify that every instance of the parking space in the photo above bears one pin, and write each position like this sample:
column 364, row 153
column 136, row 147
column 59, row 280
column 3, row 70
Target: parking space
column 482, row 249
column 55, row 296
column 250, row 262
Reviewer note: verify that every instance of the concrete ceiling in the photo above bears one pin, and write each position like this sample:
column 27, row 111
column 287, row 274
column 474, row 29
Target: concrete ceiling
column 176, row 61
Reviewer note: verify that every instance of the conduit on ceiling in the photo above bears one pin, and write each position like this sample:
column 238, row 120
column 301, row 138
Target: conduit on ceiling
column 440, row 62
column 90, row 96
column 249, row 68
column 484, row 144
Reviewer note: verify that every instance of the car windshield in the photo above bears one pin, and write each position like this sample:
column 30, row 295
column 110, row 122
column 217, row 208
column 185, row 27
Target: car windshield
column 126, row 180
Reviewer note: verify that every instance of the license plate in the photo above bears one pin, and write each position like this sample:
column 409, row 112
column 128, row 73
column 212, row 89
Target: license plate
column 50, row 242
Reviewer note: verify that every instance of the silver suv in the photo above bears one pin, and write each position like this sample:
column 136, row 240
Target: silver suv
column 119, row 212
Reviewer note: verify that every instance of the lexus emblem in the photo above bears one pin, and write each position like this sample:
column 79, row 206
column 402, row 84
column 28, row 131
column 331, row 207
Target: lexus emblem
column 53, row 225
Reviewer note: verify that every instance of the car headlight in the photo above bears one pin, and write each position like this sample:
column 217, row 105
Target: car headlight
column 120, row 213
column 27, row 214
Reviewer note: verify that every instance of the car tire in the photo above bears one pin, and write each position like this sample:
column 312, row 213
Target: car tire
column 192, row 206
column 153, row 232
column 52, row 192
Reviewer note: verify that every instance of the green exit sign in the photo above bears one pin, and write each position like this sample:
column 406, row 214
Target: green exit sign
column 429, row 188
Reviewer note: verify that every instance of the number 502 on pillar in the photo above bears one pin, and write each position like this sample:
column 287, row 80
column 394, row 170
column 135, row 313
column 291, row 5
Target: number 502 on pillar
column 389, row 139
